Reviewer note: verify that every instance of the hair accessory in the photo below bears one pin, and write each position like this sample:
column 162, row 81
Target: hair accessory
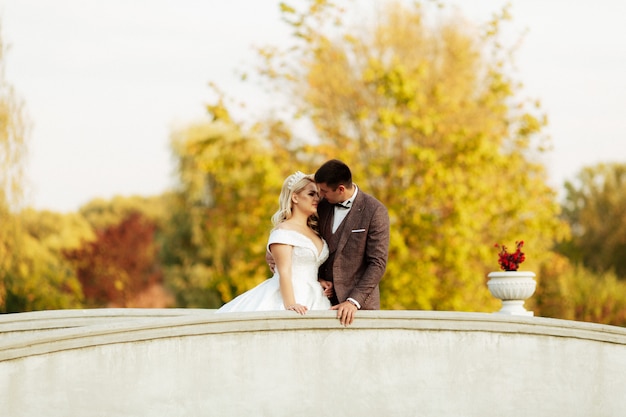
column 294, row 179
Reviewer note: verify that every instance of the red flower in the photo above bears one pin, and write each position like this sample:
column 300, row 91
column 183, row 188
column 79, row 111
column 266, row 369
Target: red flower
column 510, row 261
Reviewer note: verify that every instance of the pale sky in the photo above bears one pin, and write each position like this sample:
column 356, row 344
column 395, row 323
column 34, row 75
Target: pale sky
column 106, row 82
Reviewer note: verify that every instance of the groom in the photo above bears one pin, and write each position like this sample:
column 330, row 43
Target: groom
column 356, row 227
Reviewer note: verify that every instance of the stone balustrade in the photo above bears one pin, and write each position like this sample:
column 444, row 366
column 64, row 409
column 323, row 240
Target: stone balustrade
column 388, row 363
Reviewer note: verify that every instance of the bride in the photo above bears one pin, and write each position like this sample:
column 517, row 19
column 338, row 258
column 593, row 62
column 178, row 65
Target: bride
column 298, row 251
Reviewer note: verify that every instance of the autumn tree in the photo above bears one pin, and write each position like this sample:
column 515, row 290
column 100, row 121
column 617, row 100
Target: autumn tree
column 13, row 135
column 101, row 213
column 595, row 207
column 118, row 264
column 424, row 109
column 43, row 279
column 576, row 293
column 229, row 184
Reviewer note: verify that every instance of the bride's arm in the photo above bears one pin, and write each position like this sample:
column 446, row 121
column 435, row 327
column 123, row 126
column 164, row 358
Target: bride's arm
column 282, row 256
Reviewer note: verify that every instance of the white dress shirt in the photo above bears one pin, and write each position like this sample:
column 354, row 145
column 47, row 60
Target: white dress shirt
column 340, row 212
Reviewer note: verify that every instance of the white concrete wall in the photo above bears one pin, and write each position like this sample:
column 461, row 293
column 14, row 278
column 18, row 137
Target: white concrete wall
column 389, row 363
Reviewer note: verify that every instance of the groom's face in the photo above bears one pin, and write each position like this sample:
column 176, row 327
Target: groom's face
column 332, row 196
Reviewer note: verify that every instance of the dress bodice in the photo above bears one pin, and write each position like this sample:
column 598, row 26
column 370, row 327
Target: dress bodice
column 305, row 258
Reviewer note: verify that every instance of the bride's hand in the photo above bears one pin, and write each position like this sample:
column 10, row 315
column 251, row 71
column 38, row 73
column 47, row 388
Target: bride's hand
column 298, row 308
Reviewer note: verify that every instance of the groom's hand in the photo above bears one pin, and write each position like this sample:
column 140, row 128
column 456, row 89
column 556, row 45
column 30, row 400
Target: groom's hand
column 327, row 287
column 345, row 312
column 270, row 261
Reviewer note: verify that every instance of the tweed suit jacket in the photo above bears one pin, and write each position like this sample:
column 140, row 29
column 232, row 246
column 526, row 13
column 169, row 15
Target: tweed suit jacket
column 361, row 247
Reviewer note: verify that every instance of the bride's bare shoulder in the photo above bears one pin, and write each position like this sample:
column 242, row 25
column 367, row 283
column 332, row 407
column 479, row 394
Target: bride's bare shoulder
column 285, row 226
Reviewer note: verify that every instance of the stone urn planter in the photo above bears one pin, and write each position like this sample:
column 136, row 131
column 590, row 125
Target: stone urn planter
column 513, row 288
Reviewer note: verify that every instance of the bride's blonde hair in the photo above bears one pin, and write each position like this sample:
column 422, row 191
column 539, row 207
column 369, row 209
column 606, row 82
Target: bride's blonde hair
column 293, row 185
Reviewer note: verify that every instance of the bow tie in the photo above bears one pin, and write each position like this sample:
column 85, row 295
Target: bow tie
column 344, row 205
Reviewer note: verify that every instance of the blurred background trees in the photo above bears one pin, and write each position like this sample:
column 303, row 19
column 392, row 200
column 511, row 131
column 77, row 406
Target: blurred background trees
column 424, row 107
column 221, row 213
column 594, row 207
column 13, row 147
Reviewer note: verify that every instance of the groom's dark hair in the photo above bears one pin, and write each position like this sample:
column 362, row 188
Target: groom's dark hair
column 334, row 173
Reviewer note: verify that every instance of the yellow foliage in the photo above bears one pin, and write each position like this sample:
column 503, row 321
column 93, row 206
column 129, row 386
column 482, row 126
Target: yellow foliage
column 101, row 213
column 430, row 124
column 229, row 187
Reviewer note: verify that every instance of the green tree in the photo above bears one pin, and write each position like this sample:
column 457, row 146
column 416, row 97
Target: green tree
column 595, row 207
column 432, row 124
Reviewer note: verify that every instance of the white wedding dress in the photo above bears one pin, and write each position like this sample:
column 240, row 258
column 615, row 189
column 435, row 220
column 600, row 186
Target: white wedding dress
column 305, row 262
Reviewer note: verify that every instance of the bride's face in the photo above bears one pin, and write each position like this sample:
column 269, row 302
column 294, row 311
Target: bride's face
column 308, row 198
